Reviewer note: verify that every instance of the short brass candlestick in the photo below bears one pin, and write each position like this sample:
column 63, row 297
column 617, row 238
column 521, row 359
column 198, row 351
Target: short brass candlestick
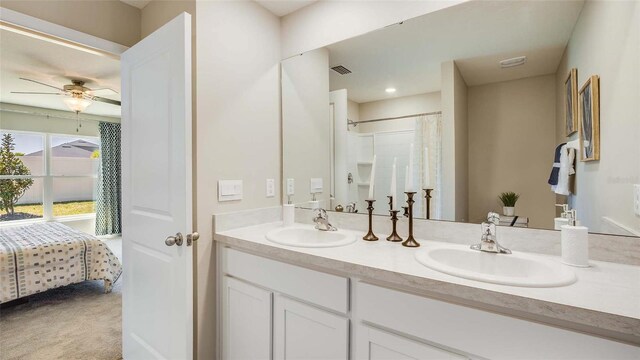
column 390, row 202
column 410, row 242
column 370, row 236
column 427, row 198
column 394, row 219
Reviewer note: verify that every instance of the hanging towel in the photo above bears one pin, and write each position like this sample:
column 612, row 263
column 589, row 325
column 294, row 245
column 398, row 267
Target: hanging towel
column 562, row 168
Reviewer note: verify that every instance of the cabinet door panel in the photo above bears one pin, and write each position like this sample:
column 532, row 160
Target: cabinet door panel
column 305, row 332
column 247, row 321
column 376, row 344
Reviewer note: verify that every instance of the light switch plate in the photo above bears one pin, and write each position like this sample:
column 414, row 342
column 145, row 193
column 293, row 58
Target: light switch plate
column 229, row 190
column 290, row 187
column 315, row 185
column 636, row 199
column 271, row 188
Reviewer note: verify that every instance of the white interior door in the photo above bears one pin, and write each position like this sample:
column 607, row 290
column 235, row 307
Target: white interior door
column 157, row 195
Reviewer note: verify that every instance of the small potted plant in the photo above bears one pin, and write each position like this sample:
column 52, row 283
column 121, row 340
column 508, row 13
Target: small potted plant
column 508, row 200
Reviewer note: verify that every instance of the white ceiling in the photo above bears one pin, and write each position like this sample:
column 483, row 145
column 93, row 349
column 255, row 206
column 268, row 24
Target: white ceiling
column 284, row 7
column 24, row 56
column 137, row 3
column 475, row 34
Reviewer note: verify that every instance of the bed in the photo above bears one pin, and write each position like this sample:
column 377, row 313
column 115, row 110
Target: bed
column 42, row 256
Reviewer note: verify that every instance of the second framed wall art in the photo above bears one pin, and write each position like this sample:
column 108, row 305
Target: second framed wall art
column 589, row 117
column 571, row 102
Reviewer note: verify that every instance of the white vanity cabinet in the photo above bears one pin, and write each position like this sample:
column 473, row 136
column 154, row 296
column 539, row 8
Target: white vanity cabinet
column 377, row 344
column 274, row 310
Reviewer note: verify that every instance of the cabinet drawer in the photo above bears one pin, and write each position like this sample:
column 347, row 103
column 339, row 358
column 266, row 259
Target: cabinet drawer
column 325, row 290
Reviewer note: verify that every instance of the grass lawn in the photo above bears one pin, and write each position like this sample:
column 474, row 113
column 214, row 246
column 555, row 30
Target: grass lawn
column 59, row 208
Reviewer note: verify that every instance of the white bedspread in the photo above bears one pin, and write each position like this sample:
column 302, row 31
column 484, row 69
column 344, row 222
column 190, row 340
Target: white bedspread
column 42, row 256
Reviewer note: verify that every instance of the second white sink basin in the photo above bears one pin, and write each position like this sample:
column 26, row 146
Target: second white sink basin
column 308, row 236
column 515, row 269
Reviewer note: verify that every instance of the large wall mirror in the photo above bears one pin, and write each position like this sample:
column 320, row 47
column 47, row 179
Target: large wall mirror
column 536, row 98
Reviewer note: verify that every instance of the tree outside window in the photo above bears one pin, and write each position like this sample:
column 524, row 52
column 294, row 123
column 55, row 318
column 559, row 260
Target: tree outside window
column 11, row 190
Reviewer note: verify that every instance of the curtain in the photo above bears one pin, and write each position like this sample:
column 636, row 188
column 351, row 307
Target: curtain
column 428, row 134
column 109, row 196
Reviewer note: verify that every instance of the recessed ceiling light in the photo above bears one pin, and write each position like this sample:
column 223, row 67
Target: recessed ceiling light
column 516, row 61
column 390, row 90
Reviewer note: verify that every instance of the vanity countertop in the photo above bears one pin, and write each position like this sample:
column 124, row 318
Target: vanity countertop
column 605, row 300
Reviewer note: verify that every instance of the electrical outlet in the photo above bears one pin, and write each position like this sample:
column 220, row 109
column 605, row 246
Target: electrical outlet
column 290, row 187
column 271, row 188
column 636, row 199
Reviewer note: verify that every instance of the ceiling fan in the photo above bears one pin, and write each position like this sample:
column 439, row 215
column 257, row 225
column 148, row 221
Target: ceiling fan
column 77, row 96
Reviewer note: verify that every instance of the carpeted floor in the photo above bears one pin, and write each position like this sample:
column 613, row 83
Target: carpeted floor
column 76, row 322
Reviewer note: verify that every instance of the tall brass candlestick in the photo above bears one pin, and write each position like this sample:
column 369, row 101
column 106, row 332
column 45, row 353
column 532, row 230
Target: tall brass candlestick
column 370, row 236
column 410, row 242
column 394, row 234
column 427, row 197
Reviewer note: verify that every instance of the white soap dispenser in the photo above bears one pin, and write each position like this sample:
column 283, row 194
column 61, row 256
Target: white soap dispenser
column 288, row 212
column 564, row 217
column 575, row 242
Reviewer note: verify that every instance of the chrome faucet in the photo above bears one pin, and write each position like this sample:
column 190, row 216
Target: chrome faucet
column 322, row 221
column 489, row 241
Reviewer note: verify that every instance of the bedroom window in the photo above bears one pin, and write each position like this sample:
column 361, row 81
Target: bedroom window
column 47, row 176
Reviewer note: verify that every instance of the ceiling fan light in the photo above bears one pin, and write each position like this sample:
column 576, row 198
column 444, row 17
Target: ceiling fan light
column 77, row 105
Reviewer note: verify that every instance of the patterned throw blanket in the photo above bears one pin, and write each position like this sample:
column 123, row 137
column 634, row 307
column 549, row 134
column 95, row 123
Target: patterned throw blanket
column 38, row 257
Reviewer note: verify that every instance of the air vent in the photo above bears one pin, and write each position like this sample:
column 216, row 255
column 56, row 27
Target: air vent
column 341, row 70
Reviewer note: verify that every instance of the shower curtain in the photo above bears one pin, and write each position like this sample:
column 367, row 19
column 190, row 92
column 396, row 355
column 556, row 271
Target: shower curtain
column 428, row 133
column 109, row 197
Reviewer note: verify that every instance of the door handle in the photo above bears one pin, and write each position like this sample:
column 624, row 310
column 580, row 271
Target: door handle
column 174, row 240
column 192, row 237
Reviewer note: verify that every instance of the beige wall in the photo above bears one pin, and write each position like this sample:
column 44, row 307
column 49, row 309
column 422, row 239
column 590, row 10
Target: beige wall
column 606, row 42
column 238, row 126
column 395, row 107
column 306, row 128
column 158, row 13
column 110, row 20
column 327, row 22
column 454, row 144
column 511, row 145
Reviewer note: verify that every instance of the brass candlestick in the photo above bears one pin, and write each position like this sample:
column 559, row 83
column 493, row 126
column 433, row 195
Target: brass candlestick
column 405, row 211
column 394, row 219
column 410, row 242
column 370, row 236
column 427, row 198
column 390, row 202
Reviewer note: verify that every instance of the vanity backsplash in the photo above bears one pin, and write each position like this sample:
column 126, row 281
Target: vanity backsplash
column 610, row 248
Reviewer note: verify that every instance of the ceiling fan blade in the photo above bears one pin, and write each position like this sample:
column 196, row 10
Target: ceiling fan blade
column 105, row 100
column 35, row 93
column 104, row 91
column 41, row 83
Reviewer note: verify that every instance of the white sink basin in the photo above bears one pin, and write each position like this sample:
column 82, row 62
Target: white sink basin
column 515, row 269
column 308, row 236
